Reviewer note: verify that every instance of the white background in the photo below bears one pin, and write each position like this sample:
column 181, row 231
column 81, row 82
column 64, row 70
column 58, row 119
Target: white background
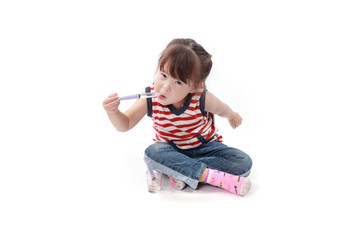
column 290, row 68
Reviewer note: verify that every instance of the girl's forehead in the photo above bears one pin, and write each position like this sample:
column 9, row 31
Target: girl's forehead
column 166, row 68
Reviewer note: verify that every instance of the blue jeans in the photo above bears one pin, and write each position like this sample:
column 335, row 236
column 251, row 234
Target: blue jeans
column 188, row 165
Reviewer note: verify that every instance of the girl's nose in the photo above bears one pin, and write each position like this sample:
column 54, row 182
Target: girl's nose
column 166, row 87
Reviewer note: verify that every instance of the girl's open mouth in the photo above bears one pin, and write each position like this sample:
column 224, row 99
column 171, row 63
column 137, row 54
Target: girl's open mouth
column 161, row 97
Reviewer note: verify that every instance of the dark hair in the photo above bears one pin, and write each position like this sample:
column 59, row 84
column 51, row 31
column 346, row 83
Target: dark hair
column 188, row 61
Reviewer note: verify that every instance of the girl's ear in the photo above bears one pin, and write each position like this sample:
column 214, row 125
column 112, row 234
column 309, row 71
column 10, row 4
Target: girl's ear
column 201, row 85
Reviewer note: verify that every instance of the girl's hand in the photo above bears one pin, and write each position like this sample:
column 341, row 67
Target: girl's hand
column 235, row 120
column 111, row 103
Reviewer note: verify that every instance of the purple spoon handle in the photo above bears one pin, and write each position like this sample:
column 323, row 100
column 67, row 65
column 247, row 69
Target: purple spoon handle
column 135, row 96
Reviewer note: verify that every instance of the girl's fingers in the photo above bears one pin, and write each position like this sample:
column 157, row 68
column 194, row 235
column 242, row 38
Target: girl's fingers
column 111, row 98
column 112, row 102
column 115, row 96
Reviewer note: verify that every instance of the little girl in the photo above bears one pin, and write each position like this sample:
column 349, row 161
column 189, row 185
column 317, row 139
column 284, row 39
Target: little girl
column 187, row 146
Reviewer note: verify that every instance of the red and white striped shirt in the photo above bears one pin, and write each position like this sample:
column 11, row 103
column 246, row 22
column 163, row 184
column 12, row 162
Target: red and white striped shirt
column 187, row 127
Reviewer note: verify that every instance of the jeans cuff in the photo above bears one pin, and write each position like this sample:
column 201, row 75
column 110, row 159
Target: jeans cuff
column 192, row 182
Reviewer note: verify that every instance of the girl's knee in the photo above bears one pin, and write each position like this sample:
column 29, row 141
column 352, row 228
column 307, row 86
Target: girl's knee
column 246, row 163
column 156, row 148
column 249, row 163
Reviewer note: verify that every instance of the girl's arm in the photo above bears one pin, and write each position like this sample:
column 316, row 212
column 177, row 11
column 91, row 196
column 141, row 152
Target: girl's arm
column 216, row 106
column 124, row 121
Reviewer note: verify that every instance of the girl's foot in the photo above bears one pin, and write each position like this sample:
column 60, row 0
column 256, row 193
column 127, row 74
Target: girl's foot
column 177, row 184
column 232, row 183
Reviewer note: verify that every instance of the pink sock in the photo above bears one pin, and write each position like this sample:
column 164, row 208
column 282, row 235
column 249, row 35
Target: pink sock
column 232, row 183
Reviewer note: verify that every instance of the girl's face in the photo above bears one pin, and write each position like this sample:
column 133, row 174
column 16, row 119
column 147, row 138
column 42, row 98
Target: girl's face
column 172, row 90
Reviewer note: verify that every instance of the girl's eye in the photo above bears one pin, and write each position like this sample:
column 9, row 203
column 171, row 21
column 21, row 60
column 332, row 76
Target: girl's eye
column 163, row 75
column 178, row 82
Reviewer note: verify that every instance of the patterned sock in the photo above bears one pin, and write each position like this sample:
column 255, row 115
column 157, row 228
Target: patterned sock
column 177, row 184
column 232, row 183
